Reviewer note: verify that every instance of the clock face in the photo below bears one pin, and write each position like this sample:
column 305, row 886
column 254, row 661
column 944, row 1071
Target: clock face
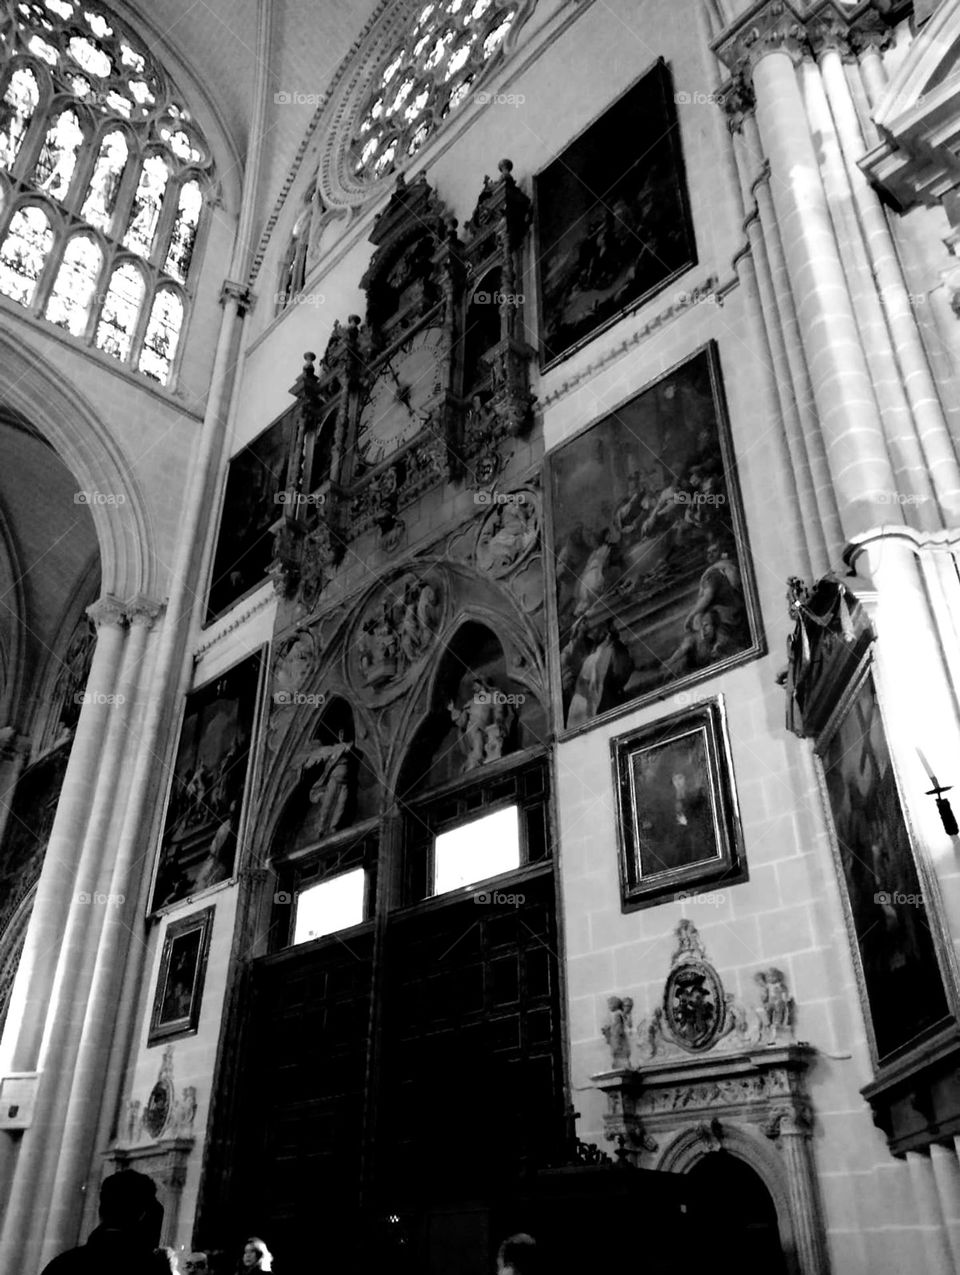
column 397, row 407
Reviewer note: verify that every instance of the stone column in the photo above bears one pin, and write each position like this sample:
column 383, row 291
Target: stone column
column 935, row 1246
column 804, row 1195
column 946, row 1176
column 120, row 921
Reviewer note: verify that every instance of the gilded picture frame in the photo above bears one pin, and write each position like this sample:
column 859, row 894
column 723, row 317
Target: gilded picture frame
column 183, row 965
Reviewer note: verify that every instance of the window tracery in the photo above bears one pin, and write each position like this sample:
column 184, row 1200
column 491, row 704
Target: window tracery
column 432, row 71
column 102, row 179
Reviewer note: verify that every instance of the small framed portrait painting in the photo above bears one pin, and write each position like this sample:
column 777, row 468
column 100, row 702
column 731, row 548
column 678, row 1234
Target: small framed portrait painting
column 677, row 815
column 183, row 963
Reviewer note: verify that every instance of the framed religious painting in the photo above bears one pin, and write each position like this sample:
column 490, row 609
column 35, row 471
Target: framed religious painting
column 209, row 784
column 612, row 218
column 252, row 503
column 650, row 574
column 183, row 965
column 888, row 899
column 678, row 820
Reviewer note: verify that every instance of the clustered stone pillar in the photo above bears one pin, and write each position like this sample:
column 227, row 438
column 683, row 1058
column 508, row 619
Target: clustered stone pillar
column 49, row 1010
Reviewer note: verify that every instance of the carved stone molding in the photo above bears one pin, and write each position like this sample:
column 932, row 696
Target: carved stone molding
column 239, row 293
column 780, row 26
column 108, row 611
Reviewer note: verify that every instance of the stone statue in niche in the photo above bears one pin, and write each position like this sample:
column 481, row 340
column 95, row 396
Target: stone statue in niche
column 689, row 943
column 484, row 722
column 399, row 631
column 133, row 1119
column 332, row 787
column 775, row 1012
column 616, row 1030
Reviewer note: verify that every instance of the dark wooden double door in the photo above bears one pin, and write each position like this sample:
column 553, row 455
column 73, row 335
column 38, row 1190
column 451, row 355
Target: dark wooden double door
column 389, row 1078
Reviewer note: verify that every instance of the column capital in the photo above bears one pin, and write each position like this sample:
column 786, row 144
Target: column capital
column 239, row 293
column 108, row 612
column 782, row 26
column 144, row 611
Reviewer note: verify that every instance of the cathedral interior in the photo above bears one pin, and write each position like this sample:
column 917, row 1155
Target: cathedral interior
column 480, row 634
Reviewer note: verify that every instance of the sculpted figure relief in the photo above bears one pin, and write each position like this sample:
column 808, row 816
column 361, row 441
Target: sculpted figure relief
column 331, row 789
column 616, row 1030
column 398, row 631
column 484, row 722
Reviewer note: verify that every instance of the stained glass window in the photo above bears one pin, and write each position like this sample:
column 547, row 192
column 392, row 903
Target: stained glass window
column 101, row 200
column 16, row 109
column 163, row 331
column 121, row 310
column 449, row 46
column 23, row 253
column 145, row 214
column 184, row 236
column 58, row 155
column 75, row 284
column 98, row 142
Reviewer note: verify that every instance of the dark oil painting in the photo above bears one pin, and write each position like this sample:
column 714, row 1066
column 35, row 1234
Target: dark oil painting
column 901, row 976
column 251, row 506
column 176, row 1005
column 612, row 219
column 651, row 573
column 210, row 773
column 678, row 823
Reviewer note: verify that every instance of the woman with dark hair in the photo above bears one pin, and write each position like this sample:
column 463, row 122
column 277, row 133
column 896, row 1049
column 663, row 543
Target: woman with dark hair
column 256, row 1257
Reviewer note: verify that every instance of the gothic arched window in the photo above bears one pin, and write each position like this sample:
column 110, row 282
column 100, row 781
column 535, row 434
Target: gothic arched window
column 102, row 177
column 448, row 47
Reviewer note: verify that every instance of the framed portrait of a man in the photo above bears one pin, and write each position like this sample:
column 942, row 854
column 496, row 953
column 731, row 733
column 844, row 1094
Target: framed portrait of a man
column 209, row 784
column 612, row 218
column 887, row 900
column 677, row 815
column 650, row 573
column 183, row 964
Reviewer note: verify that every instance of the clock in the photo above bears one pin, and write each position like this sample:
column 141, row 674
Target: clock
column 397, row 407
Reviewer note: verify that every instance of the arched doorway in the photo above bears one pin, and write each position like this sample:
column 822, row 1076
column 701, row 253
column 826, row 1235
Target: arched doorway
column 731, row 1200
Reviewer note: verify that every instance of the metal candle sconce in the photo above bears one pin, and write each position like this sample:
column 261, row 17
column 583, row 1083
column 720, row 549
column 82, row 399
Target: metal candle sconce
column 947, row 817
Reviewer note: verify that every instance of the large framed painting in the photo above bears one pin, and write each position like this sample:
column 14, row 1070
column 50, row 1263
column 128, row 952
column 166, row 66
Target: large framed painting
column 893, row 929
column 678, row 821
column 650, row 571
column 183, row 966
column 210, row 779
column 612, row 218
column 251, row 506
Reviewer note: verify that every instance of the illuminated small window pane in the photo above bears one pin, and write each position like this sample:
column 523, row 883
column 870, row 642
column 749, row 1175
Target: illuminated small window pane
column 25, row 247
column 16, row 110
column 42, row 49
column 497, row 36
column 105, row 183
column 141, row 92
column 329, row 906
column 145, row 213
column 458, row 94
column 386, row 158
column 76, row 282
column 131, row 59
column 457, row 59
column 58, row 155
column 392, row 68
column 483, row 848
column 60, row 8
column 121, row 309
column 184, row 237
column 98, row 25
column 163, row 333
column 80, row 86
column 93, row 60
